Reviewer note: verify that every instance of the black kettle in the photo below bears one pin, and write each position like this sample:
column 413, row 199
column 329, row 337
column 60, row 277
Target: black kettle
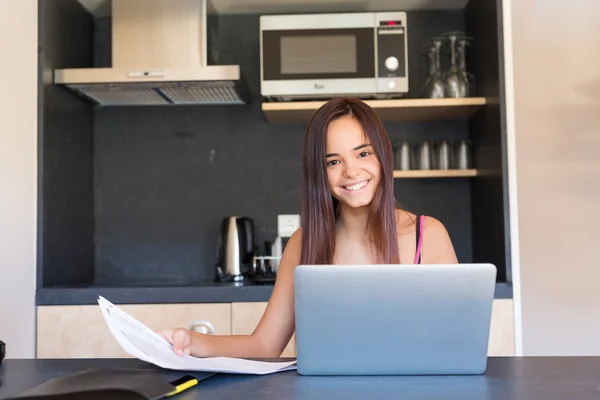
column 236, row 248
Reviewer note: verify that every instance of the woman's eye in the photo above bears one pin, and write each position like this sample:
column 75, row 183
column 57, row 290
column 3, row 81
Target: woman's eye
column 364, row 154
column 331, row 163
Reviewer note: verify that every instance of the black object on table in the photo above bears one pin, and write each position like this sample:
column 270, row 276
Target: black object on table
column 548, row 378
column 2, row 351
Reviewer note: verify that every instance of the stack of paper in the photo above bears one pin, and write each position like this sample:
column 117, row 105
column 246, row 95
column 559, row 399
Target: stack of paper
column 142, row 342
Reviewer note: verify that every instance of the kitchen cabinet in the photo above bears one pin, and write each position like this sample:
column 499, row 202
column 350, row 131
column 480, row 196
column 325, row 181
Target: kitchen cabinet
column 81, row 332
column 245, row 318
column 502, row 334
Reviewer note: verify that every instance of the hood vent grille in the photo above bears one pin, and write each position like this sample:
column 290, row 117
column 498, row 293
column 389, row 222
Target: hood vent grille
column 203, row 93
column 160, row 93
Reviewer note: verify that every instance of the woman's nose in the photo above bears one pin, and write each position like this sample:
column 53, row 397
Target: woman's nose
column 351, row 170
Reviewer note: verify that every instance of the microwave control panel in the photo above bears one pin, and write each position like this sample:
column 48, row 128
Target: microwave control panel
column 391, row 48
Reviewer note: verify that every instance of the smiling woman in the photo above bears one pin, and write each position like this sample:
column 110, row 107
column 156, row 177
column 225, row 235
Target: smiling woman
column 349, row 216
column 348, row 184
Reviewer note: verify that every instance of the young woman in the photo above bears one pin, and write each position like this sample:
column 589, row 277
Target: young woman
column 349, row 216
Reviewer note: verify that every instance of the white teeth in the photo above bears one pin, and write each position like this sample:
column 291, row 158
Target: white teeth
column 358, row 186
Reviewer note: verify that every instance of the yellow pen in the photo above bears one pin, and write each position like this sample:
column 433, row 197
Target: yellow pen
column 184, row 386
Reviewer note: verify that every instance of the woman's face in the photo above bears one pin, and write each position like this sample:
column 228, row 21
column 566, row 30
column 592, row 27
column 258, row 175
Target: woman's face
column 353, row 169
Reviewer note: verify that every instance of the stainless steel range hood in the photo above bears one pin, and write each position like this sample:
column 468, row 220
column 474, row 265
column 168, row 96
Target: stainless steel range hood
column 160, row 55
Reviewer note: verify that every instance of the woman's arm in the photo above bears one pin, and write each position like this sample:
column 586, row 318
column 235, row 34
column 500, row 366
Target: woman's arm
column 273, row 332
column 437, row 246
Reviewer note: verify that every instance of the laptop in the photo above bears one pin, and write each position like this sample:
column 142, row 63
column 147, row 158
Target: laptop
column 393, row 319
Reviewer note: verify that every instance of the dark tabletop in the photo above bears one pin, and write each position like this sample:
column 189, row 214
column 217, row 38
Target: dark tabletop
column 548, row 378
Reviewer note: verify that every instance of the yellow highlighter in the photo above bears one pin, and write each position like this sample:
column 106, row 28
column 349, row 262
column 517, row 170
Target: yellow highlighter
column 183, row 384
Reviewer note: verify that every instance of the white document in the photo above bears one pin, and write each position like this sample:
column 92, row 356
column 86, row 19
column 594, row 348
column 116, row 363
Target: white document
column 142, row 342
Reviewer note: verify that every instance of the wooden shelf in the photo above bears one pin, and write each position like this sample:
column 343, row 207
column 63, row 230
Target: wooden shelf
column 388, row 110
column 436, row 173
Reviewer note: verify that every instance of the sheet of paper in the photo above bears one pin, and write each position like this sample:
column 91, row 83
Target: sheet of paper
column 142, row 342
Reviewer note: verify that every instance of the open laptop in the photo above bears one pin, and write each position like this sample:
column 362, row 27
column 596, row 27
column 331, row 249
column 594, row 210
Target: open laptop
column 393, row 319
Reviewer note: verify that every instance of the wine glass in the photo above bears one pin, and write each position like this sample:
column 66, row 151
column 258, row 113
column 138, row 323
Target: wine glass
column 455, row 83
column 463, row 42
column 434, row 85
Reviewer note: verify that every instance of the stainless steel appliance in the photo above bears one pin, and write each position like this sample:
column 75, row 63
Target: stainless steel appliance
column 163, row 52
column 323, row 55
column 236, row 248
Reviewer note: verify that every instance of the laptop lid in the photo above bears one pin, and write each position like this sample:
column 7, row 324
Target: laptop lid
column 393, row 319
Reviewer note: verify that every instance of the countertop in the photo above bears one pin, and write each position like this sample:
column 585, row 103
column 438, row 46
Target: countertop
column 209, row 292
column 548, row 378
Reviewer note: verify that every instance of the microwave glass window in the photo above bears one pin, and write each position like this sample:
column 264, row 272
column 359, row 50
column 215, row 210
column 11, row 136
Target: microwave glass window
column 318, row 54
column 299, row 54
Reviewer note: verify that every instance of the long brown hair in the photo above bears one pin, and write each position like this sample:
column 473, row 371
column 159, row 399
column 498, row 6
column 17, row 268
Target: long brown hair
column 320, row 208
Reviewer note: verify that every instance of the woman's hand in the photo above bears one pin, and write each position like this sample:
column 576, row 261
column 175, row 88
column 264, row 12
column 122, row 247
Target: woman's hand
column 180, row 338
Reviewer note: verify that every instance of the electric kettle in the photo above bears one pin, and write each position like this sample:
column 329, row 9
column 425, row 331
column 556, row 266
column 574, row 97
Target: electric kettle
column 236, row 248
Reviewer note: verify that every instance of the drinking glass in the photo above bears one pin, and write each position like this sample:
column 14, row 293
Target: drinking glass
column 463, row 42
column 434, row 85
column 455, row 83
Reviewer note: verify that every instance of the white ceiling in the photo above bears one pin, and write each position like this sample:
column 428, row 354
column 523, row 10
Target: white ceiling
column 101, row 8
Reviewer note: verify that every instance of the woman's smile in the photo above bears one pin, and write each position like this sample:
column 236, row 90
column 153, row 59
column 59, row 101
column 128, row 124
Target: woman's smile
column 357, row 187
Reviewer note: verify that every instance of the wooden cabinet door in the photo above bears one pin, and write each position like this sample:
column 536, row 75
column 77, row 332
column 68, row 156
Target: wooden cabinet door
column 245, row 318
column 502, row 334
column 81, row 332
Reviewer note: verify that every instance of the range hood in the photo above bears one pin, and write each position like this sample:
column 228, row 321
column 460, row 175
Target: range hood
column 161, row 51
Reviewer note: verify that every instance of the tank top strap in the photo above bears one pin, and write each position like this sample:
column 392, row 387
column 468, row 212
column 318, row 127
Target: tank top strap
column 419, row 238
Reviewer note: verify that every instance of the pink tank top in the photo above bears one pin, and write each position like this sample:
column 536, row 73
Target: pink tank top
column 419, row 235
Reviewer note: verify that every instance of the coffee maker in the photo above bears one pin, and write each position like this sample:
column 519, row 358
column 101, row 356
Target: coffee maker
column 236, row 249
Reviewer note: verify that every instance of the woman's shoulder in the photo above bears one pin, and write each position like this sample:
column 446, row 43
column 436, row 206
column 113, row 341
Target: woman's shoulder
column 294, row 243
column 431, row 224
column 297, row 235
column 437, row 245
column 408, row 222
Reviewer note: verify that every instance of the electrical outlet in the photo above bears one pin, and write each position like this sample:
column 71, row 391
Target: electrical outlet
column 287, row 224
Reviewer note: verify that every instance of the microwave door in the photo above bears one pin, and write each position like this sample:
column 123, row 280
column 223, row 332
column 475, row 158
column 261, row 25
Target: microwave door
column 306, row 62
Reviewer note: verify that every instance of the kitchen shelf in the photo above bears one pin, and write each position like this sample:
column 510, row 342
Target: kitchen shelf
column 436, row 173
column 388, row 110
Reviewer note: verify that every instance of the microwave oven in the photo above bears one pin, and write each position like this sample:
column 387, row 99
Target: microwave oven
column 316, row 56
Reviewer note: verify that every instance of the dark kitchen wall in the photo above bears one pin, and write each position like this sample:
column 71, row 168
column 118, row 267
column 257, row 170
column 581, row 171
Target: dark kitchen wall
column 489, row 193
column 65, row 153
column 166, row 176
